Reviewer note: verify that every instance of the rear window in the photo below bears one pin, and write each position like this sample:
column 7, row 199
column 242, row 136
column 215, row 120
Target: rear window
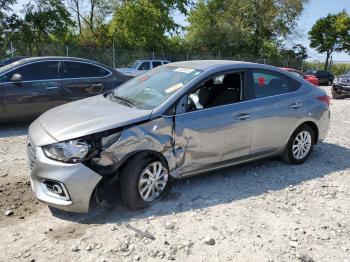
column 81, row 70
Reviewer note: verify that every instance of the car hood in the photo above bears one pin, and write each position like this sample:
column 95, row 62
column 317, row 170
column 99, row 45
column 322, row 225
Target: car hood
column 345, row 76
column 89, row 116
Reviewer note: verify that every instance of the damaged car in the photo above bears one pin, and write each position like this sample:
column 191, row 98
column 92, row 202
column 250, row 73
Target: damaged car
column 175, row 121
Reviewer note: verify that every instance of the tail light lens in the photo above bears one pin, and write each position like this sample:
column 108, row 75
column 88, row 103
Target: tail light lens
column 325, row 99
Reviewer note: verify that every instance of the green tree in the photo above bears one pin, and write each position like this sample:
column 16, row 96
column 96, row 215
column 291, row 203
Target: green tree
column 331, row 34
column 44, row 22
column 242, row 27
column 7, row 23
column 145, row 24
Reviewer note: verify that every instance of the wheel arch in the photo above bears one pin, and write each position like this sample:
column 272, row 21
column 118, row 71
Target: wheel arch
column 314, row 128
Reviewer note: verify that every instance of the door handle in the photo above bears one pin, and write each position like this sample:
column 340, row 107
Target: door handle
column 51, row 87
column 242, row 116
column 296, row 105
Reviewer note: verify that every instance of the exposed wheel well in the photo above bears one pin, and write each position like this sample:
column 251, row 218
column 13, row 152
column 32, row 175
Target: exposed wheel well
column 314, row 128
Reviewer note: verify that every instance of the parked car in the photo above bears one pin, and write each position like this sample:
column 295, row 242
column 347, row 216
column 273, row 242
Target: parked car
column 31, row 86
column 176, row 121
column 341, row 87
column 310, row 78
column 324, row 77
column 10, row 60
column 139, row 67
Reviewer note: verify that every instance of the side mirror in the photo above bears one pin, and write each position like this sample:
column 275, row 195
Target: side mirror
column 17, row 78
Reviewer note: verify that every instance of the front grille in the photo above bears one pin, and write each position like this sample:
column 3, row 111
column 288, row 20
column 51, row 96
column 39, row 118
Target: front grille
column 31, row 152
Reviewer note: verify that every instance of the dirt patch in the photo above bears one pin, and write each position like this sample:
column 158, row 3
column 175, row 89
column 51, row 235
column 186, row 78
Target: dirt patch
column 17, row 198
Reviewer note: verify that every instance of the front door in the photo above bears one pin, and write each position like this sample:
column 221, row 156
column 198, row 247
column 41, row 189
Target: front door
column 214, row 128
column 39, row 90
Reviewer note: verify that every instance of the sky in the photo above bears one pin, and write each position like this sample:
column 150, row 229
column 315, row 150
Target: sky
column 314, row 10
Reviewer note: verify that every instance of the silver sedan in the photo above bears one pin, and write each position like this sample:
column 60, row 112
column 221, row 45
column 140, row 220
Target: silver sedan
column 177, row 120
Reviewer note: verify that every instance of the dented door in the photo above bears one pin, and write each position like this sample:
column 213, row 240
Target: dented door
column 210, row 137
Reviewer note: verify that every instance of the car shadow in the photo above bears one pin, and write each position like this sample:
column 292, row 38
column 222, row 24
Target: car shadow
column 14, row 129
column 226, row 185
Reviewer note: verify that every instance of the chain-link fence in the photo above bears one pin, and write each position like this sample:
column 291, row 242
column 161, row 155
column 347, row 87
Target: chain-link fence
column 120, row 58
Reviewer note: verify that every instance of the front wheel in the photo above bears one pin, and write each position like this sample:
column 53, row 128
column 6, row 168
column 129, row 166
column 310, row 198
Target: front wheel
column 143, row 181
column 336, row 95
column 300, row 145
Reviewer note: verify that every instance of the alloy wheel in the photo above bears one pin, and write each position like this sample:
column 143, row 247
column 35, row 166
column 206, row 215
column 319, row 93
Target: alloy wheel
column 301, row 145
column 153, row 181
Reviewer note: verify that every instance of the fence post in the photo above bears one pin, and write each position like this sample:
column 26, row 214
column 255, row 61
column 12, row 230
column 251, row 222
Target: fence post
column 11, row 49
column 153, row 55
column 67, row 51
column 113, row 50
column 186, row 56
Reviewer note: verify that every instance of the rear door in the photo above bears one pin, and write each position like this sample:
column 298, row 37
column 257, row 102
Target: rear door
column 81, row 80
column 39, row 90
column 277, row 107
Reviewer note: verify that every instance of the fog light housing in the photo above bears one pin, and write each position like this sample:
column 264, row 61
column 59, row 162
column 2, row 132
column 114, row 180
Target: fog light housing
column 55, row 189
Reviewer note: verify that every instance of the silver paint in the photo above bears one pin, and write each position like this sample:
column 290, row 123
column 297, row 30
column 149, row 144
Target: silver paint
column 188, row 143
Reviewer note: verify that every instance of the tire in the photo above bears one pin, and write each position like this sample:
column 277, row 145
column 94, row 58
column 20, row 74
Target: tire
column 337, row 96
column 293, row 158
column 131, row 186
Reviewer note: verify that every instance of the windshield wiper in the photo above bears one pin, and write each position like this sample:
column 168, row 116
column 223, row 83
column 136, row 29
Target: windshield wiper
column 125, row 100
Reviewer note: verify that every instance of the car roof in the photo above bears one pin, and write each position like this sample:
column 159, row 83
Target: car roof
column 208, row 64
column 150, row 60
column 48, row 58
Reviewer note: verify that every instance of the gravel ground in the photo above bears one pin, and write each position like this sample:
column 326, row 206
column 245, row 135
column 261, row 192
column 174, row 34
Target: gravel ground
column 261, row 211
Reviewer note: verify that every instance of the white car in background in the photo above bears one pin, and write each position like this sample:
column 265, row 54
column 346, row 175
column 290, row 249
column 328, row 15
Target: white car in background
column 138, row 67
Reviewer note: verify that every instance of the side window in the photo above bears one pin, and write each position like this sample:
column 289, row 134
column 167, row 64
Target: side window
column 144, row 66
column 267, row 83
column 156, row 63
column 220, row 90
column 36, row 71
column 81, row 70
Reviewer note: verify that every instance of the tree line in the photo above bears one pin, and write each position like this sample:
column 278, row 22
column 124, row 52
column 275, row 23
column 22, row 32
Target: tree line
column 234, row 28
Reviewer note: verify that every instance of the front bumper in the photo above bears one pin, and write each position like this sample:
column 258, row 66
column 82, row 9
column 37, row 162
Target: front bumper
column 78, row 180
column 341, row 89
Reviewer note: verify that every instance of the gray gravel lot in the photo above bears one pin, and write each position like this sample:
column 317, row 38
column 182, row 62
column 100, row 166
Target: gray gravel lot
column 261, row 211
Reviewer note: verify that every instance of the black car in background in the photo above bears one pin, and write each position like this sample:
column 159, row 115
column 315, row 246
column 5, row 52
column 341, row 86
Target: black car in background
column 324, row 77
column 341, row 87
column 10, row 60
column 33, row 85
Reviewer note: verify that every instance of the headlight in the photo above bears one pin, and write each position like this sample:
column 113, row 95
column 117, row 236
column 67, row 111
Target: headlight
column 72, row 151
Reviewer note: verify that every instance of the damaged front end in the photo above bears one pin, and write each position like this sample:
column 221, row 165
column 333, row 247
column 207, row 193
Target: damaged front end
column 111, row 149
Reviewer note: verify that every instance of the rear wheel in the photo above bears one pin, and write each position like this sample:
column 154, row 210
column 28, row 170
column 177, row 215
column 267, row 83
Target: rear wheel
column 300, row 145
column 143, row 181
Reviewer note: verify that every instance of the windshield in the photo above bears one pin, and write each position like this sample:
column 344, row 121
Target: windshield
column 134, row 64
column 151, row 89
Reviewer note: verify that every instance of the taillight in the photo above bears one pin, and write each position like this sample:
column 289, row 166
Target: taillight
column 324, row 99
